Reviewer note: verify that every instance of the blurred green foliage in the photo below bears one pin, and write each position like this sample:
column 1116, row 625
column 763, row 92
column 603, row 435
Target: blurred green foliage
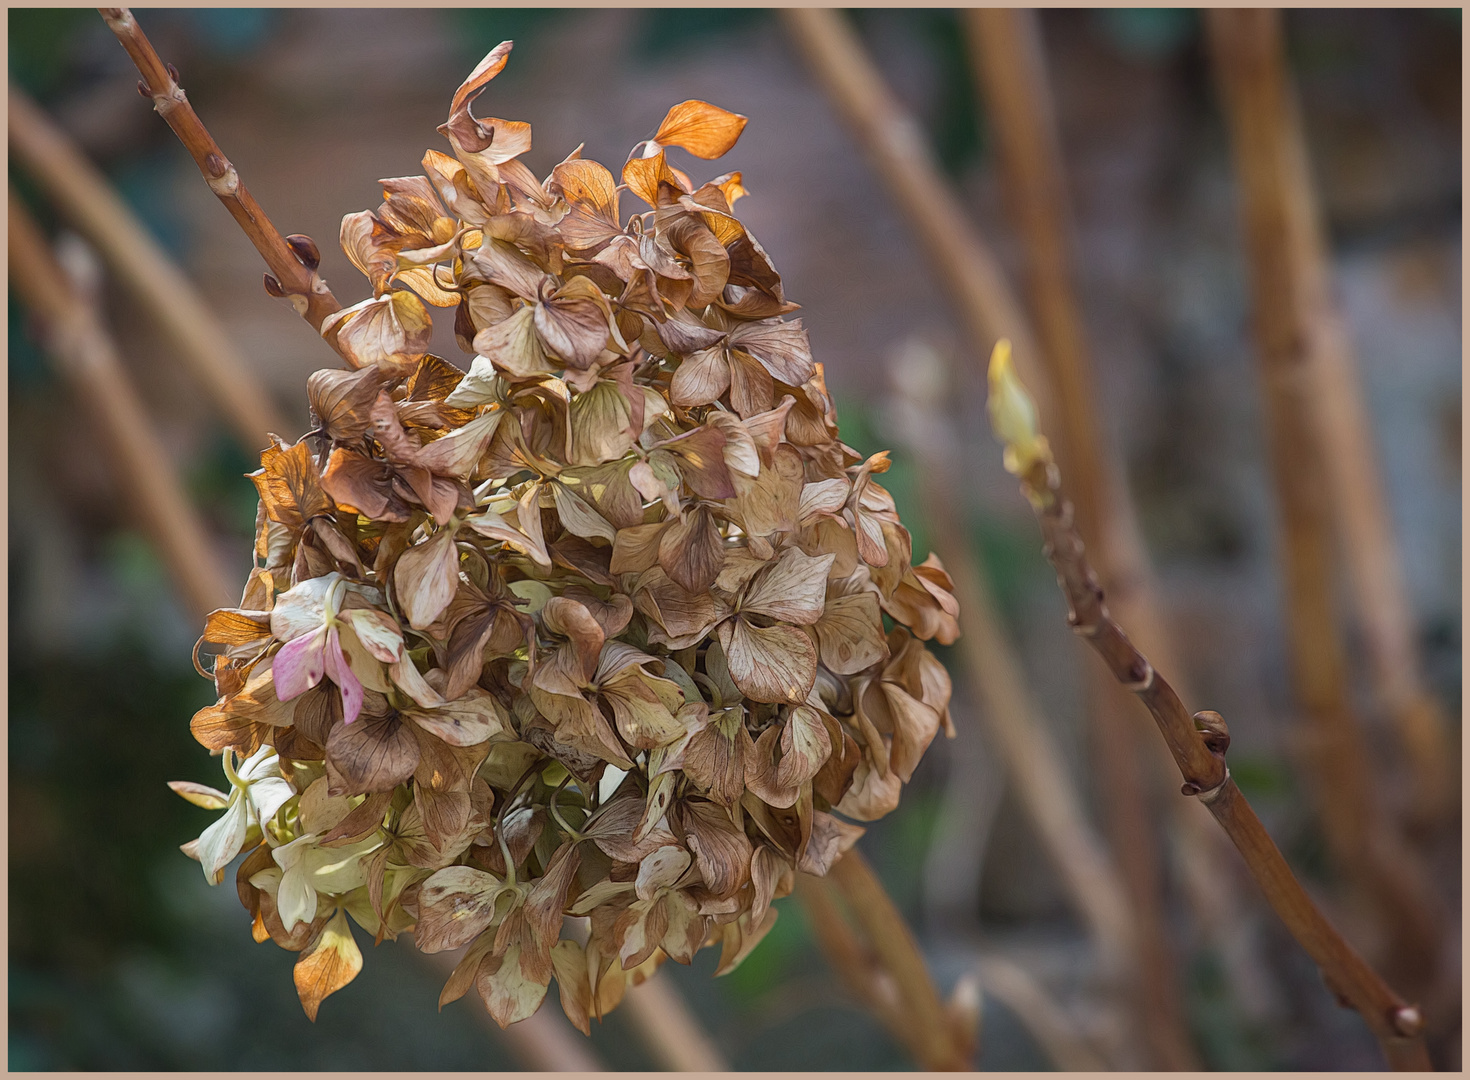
column 42, row 47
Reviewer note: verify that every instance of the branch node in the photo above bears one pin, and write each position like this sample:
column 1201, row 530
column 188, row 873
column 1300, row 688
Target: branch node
column 1213, row 793
column 223, row 180
column 1141, row 675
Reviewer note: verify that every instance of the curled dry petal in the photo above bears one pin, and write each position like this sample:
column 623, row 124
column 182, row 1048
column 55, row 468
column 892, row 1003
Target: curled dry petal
column 705, row 130
column 391, row 332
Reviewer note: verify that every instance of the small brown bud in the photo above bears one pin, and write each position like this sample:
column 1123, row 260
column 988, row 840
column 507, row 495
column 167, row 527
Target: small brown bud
column 143, row 90
column 216, row 165
column 273, row 287
column 305, row 249
column 173, row 73
column 1216, row 733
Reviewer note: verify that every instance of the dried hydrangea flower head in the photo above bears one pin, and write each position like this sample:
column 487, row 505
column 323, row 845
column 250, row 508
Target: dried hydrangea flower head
column 577, row 657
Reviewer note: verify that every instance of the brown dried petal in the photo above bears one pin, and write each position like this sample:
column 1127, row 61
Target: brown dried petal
column 781, row 347
column 327, row 965
column 426, row 578
column 374, row 753
column 793, row 589
column 341, row 400
column 391, row 332
column 721, row 850
column 850, row 633
column 715, row 759
column 692, row 551
column 456, row 905
column 776, row 663
column 288, row 484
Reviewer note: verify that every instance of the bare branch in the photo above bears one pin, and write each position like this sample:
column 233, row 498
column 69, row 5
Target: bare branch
column 298, row 281
column 1006, row 45
column 1198, row 743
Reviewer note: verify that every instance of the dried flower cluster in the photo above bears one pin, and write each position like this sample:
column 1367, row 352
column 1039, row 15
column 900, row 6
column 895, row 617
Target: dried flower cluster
column 595, row 629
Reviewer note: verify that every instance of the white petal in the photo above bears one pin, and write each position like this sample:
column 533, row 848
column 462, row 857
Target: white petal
column 222, row 841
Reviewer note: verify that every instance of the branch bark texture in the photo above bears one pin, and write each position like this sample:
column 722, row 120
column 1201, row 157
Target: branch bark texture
column 1198, row 744
column 296, row 279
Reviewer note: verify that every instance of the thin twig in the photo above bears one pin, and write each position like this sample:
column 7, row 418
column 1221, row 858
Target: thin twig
column 1006, row 43
column 1198, row 744
column 1013, row 719
column 73, row 333
column 1252, row 76
column 670, row 1030
column 86, row 199
column 297, row 280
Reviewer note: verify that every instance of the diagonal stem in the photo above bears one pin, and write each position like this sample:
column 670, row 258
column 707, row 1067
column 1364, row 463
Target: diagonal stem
column 297, row 280
column 1198, row 743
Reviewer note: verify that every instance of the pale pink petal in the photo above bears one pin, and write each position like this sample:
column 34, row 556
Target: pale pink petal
column 299, row 665
column 340, row 672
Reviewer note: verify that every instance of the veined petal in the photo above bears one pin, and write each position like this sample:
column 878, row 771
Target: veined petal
column 775, row 663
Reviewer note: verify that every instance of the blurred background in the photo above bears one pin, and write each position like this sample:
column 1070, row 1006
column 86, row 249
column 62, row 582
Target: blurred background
column 122, row 958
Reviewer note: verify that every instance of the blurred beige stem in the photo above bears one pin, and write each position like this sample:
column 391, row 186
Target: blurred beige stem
column 1249, row 62
column 1364, row 522
column 300, row 282
column 932, row 1025
column 988, row 309
column 897, row 150
column 1054, row 1031
column 88, row 201
column 1006, row 45
column 669, row 1029
column 88, row 358
column 874, row 989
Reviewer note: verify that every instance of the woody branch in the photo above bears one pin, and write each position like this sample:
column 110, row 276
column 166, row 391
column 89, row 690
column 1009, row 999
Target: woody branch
column 1198, row 743
column 292, row 260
